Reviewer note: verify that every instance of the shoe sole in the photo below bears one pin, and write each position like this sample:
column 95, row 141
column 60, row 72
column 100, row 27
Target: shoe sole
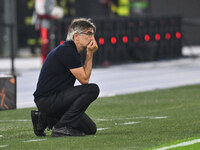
column 59, row 135
column 63, row 135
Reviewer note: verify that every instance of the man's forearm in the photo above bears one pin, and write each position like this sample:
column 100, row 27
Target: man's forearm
column 88, row 65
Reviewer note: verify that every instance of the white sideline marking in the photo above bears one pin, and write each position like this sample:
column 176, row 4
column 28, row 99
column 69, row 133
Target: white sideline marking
column 14, row 120
column 129, row 123
column 162, row 117
column 35, row 140
column 144, row 117
column 100, row 129
column 180, row 144
column 104, row 119
column 1, row 136
column 3, row 146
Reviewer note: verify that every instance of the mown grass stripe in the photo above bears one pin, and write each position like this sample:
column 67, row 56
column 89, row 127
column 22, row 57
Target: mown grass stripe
column 180, row 144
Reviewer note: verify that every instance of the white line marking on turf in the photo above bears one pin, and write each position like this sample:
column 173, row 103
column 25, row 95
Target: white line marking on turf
column 180, row 144
column 104, row 119
column 1, row 136
column 129, row 123
column 100, row 129
column 35, row 140
column 144, row 117
column 14, row 120
column 162, row 117
column 3, row 146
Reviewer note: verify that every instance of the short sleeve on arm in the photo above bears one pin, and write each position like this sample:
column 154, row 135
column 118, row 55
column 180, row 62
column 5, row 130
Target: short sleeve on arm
column 70, row 57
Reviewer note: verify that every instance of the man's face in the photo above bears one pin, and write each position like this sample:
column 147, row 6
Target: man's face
column 86, row 37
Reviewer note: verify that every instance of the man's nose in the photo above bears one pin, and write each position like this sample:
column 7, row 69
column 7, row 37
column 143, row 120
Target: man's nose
column 92, row 37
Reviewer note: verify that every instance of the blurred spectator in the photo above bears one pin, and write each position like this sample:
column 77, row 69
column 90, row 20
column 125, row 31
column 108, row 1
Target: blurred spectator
column 117, row 7
column 139, row 7
column 45, row 11
column 107, row 6
column 123, row 8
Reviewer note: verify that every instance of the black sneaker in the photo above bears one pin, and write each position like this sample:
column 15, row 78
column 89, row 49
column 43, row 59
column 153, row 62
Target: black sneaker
column 66, row 131
column 39, row 124
column 51, row 122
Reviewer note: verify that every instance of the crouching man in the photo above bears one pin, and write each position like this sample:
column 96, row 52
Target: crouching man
column 59, row 102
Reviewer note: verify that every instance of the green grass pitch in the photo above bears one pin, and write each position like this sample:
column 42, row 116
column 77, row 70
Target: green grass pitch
column 145, row 120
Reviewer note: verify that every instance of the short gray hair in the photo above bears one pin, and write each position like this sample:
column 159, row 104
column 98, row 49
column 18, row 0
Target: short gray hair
column 79, row 25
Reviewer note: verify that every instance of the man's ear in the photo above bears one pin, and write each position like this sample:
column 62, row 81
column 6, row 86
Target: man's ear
column 76, row 37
